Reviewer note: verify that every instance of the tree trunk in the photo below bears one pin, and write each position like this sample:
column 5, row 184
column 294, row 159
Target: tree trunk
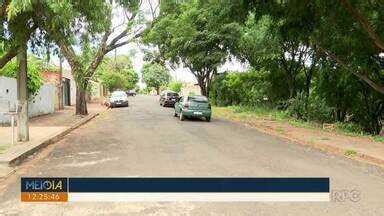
column 22, row 96
column 81, row 103
column 202, row 85
column 158, row 90
column 203, row 91
column 291, row 88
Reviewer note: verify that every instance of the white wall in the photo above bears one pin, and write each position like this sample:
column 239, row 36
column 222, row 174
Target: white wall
column 42, row 103
column 8, row 94
column 73, row 92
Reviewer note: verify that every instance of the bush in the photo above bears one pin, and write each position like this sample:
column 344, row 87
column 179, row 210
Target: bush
column 35, row 79
column 240, row 88
column 335, row 95
column 175, row 86
column 310, row 108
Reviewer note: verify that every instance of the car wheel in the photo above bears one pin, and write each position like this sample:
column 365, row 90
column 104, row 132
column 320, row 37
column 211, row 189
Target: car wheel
column 208, row 119
column 181, row 116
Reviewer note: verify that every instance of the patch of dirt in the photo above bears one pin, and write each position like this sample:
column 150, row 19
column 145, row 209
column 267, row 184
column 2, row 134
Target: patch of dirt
column 332, row 141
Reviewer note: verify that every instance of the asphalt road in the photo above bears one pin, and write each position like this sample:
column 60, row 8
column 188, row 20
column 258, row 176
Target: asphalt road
column 146, row 140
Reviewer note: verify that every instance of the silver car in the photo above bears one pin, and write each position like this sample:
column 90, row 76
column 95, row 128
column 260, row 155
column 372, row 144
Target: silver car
column 118, row 99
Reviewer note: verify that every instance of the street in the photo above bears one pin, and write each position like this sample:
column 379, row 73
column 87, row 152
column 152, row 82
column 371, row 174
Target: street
column 146, row 140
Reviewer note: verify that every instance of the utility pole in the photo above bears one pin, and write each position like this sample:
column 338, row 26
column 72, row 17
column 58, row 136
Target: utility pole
column 22, row 95
column 61, row 104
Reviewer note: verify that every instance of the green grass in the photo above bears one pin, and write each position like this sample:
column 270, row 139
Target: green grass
column 3, row 147
column 378, row 138
column 350, row 153
column 350, row 129
column 280, row 130
column 301, row 123
column 248, row 112
column 259, row 112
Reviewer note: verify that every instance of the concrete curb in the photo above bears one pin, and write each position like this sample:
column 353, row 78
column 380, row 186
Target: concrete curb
column 11, row 160
column 323, row 147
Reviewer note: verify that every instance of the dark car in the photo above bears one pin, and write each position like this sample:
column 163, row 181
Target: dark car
column 168, row 98
column 131, row 92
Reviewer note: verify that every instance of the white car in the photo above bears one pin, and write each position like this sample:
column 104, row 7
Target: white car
column 118, row 98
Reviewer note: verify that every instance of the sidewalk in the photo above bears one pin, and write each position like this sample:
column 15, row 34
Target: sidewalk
column 43, row 130
column 362, row 148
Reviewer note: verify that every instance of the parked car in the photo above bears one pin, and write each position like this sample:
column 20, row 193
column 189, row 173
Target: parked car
column 168, row 98
column 193, row 106
column 131, row 92
column 118, row 98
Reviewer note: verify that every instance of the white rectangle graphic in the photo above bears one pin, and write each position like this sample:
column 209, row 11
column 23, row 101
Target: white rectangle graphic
column 198, row 197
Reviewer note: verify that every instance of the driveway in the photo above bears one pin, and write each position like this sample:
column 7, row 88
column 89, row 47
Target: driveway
column 146, row 140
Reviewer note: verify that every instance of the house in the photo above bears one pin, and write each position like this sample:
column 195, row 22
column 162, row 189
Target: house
column 68, row 88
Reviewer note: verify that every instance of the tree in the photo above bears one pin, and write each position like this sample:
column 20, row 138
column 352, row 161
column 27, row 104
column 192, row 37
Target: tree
column 175, row 86
column 195, row 34
column 15, row 30
column 117, row 73
column 65, row 24
column 155, row 75
column 265, row 44
column 348, row 32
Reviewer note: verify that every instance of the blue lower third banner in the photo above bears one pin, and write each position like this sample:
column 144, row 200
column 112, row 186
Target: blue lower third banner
column 175, row 189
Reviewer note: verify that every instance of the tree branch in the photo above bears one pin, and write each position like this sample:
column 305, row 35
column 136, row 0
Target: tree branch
column 99, row 55
column 377, row 87
column 115, row 44
column 365, row 24
column 12, row 52
column 61, row 41
column 3, row 8
column 153, row 9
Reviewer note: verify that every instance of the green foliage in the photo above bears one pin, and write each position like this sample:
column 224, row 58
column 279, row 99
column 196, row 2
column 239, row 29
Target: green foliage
column 310, row 108
column 117, row 73
column 378, row 138
column 313, row 59
column 350, row 153
column 34, row 81
column 350, row 128
column 175, row 86
column 197, row 34
column 240, row 88
column 348, row 32
column 332, row 98
column 155, row 75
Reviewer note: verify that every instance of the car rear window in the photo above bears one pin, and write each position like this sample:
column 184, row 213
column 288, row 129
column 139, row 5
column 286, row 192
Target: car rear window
column 118, row 94
column 170, row 94
column 198, row 98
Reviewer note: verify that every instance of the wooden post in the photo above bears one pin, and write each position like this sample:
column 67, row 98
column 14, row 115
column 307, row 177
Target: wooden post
column 22, row 96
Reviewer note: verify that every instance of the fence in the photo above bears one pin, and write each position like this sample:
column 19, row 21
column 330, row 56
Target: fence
column 42, row 103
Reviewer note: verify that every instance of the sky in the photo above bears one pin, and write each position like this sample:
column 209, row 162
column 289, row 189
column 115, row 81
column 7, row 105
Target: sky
column 135, row 50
